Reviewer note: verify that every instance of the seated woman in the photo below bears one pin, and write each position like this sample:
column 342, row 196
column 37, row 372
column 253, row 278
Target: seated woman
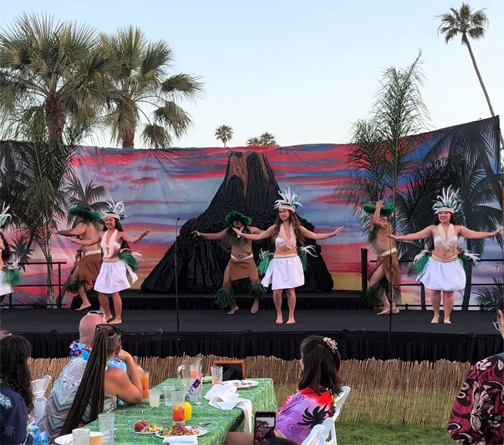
column 16, row 397
column 320, row 383
column 87, row 388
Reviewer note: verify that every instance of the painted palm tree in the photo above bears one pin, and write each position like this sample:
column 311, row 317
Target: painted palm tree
column 490, row 297
column 21, row 249
column 141, row 80
column 51, row 74
column 268, row 140
column 224, row 134
column 468, row 24
column 255, row 142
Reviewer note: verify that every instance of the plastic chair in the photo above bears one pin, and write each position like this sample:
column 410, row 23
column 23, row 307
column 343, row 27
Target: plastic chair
column 315, row 436
column 340, row 400
column 39, row 386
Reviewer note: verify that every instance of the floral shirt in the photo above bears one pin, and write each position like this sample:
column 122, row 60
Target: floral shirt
column 478, row 412
column 78, row 349
column 302, row 411
column 13, row 417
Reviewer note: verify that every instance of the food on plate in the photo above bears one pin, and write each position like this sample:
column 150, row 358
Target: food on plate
column 144, row 427
column 178, row 430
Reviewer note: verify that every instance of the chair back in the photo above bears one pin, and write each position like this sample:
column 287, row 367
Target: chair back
column 315, row 436
column 39, row 386
column 340, row 400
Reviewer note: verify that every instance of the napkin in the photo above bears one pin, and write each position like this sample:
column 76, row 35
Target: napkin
column 225, row 397
column 193, row 440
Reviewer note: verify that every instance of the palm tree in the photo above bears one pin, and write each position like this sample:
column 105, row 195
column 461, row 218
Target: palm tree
column 51, row 74
column 256, row 142
column 21, row 249
column 268, row 140
column 224, row 133
column 141, row 80
column 469, row 24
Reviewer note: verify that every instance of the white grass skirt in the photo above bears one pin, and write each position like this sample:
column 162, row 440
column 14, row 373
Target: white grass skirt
column 284, row 273
column 443, row 276
column 112, row 278
column 4, row 287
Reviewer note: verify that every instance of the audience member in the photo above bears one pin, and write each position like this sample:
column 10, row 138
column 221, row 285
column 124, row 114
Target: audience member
column 320, row 383
column 86, row 388
column 16, row 397
column 478, row 412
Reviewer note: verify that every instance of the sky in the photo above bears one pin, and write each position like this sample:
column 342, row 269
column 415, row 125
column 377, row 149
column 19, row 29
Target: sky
column 303, row 70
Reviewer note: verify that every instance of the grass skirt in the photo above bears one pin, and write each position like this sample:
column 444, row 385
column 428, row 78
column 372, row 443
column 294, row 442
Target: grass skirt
column 112, row 278
column 5, row 288
column 284, row 273
column 439, row 275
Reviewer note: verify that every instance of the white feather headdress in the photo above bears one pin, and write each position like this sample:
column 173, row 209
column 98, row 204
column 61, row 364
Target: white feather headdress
column 448, row 201
column 4, row 216
column 289, row 200
column 115, row 209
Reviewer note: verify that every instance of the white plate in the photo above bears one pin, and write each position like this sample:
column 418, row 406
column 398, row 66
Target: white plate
column 241, row 384
column 202, row 431
column 144, row 432
column 67, row 439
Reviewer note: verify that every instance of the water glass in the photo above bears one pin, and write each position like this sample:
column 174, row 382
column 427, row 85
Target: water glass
column 167, row 390
column 106, row 426
column 154, row 395
column 81, row 436
column 216, row 375
column 178, row 411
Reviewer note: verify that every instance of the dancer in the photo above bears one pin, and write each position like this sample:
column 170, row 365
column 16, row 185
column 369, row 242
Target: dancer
column 8, row 275
column 442, row 270
column 285, row 271
column 86, row 269
column 114, row 271
column 241, row 265
column 386, row 272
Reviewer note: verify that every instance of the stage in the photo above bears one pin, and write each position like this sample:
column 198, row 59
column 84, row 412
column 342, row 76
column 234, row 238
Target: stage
column 150, row 329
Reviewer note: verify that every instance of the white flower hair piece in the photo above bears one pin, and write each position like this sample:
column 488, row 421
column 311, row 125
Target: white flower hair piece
column 448, row 201
column 115, row 209
column 4, row 216
column 289, row 200
column 331, row 344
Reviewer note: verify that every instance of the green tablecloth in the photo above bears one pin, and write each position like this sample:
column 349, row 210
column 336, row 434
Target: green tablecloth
column 262, row 397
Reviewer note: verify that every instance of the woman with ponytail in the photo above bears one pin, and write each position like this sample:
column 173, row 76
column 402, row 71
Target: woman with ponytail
column 87, row 388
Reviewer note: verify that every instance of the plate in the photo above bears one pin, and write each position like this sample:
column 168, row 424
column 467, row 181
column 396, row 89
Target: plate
column 202, row 432
column 144, row 432
column 67, row 439
column 207, row 379
column 241, row 384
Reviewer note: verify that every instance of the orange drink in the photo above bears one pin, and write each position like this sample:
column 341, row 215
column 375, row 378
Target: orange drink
column 144, row 378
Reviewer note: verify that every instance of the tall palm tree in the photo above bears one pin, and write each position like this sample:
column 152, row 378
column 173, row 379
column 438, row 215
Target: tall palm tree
column 469, row 24
column 51, row 74
column 141, row 81
column 268, row 140
column 224, row 133
column 256, row 142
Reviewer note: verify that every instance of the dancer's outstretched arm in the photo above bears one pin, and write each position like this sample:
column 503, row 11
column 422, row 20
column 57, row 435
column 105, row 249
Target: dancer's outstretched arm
column 211, row 236
column 88, row 242
column 268, row 233
column 425, row 233
column 471, row 234
column 79, row 229
column 134, row 239
column 316, row 236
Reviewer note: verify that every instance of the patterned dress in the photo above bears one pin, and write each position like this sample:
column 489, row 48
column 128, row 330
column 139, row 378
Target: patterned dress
column 302, row 411
column 13, row 417
column 478, row 411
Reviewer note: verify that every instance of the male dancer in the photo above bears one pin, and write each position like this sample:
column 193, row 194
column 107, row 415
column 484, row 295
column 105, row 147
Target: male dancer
column 87, row 269
column 386, row 272
column 241, row 265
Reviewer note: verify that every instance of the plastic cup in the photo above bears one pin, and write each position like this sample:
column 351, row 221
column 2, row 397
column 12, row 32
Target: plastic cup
column 144, row 378
column 167, row 390
column 81, row 436
column 216, row 375
column 178, row 408
column 154, row 395
column 106, row 427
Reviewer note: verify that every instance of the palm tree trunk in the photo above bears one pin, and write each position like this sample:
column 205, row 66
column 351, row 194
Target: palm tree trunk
column 55, row 118
column 467, row 290
column 51, row 298
column 128, row 139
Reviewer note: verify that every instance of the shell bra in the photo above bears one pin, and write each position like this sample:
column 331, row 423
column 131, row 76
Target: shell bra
column 110, row 249
column 446, row 239
column 289, row 240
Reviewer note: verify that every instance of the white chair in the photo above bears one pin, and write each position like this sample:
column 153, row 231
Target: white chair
column 39, row 386
column 340, row 400
column 315, row 436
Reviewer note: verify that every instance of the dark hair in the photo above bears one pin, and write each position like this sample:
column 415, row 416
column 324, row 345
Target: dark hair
column 14, row 353
column 300, row 239
column 118, row 224
column 92, row 386
column 6, row 252
column 453, row 220
column 320, row 366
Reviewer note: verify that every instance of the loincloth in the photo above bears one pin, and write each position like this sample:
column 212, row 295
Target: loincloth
column 242, row 268
column 88, row 268
column 390, row 266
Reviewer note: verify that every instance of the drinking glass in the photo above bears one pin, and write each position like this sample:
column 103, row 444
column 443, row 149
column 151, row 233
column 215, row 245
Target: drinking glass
column 216, row 374
column 106, row 426
column 81, row 436
column 154, row 395
column 167, row 390
column 144, row 378
column 178, row 401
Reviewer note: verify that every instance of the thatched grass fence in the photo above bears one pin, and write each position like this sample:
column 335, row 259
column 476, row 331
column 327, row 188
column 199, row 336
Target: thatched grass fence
column 386, row 392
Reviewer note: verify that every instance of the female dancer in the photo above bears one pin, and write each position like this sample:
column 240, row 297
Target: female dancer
column 285, row 270
column 444, row 271
column 5, row 287
column 113, row 276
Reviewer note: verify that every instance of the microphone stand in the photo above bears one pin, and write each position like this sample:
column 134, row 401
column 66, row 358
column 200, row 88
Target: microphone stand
column 177, row 338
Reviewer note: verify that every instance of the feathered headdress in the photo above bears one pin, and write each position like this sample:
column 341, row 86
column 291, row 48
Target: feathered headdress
column 288, row 201
column 116, row 210
column 87, row 215
column 237, row 216
column 4, row 216
column 448, row 201
column 386, row 210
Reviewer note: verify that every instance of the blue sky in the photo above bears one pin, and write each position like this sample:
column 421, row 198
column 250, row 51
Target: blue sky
column 303, row 70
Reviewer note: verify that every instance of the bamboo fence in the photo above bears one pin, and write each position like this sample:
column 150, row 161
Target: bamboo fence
column 387, row 392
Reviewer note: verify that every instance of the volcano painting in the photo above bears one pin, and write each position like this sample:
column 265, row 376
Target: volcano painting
column 249, row 186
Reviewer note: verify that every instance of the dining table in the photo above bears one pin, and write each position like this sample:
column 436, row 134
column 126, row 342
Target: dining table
column 216, row 422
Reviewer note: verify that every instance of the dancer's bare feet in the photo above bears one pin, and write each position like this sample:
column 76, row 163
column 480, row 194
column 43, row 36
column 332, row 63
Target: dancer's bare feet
column 447, row 321
column 279, row 319
column 255, row 306
column 108, row 317
column 234, row 308
column 83, row 306
column 435, row 319
column 115, row 321
column 384, row 312
column 291, row 321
